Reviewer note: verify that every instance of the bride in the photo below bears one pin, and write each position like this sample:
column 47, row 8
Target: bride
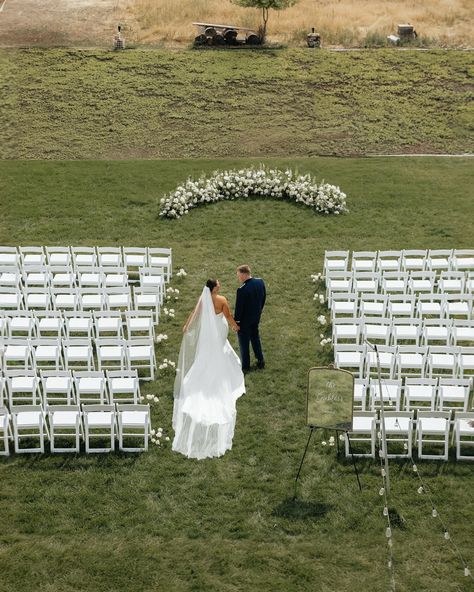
column 209, row 379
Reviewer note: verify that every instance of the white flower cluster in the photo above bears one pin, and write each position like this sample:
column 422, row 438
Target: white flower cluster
column 165, row 364
column 151, row 398
column 161, row 337
column 331, row 442
column 324, row 340
column 157, row 436
column 181, row 273
column 254, row 182
column 322, row 320
column 320, row 297
column 169, row 312
column 172, row 293
column 315, row 277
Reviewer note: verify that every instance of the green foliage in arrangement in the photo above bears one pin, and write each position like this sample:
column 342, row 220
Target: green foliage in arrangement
column 64, row 104
column 158, row 521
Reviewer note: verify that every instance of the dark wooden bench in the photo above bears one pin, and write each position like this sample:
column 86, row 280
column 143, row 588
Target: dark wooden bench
column 212, row 34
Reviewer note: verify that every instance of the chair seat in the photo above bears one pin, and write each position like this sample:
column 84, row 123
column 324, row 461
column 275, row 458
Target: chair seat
column 422, row 285
column 152, row 280
column 344, row 307
column 443, row 360
column 395, row 285
column 9, row 279
column 90, row 279
column 119, row 299
column 111, row 352
column 346, row 331
column 452, row 393
column 77, row 352
column 464, row 333
column 438, row 333
column 109, row 259
column 135, row 260
column 85, row 260
column 79, row 324
column 139, row 352
column 411, row 360
column 419, row 392
column 401, row 308
column 92, row 300
column 90, row 385
column 147, row 299
column 467, row 361
column 9, row 300
column 159, row 261
column 140, row 323
column 16, row 352
column 23, row 383
column 134, row 418
column 26, row 419
column 394, row 425
column 60, row 279
column 362, row 425
column 109, row 324
column 406, row 331
column 349, row 358
column 100, row 418
column 21, row 323
column 464, row 429
column 46, row 352
column 457, row 308
column 8, row 259
column 64, row 418
column 59, row 259
column 50, row 324
column 333, row 264
column 57, row 384
column 340, row 285
column 37, row 299
column 379, row 331
column 433, row 425
column 65, row 300
column 123, row 385
column 115, row 280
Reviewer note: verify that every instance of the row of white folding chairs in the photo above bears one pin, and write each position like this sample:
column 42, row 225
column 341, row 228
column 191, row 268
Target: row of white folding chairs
column 71, row 324
column 441, row 393
column 66, row 387
column 400, row 330
column 76, row 423
column 399, row 282
column 78, row 257
column 404, row 260
column 397, row 361
column 431, row 430
column 82, row 299
column 66, row 354
column 39, row 276
column 409, row 305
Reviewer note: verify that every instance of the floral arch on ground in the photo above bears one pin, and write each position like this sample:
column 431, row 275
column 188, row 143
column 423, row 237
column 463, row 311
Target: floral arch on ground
column 323, row 198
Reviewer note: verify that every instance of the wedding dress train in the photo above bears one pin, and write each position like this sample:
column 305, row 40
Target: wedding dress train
column 209, row 381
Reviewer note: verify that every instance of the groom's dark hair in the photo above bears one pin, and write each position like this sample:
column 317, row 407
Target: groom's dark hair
column 244, row 269
column 211, row 284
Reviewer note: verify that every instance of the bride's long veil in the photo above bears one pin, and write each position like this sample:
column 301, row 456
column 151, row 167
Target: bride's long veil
column 207, row 384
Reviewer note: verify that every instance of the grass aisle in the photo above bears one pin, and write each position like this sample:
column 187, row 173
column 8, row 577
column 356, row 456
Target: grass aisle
column 161, row 522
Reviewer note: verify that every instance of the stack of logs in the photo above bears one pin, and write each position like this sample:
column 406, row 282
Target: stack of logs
column 212, row 36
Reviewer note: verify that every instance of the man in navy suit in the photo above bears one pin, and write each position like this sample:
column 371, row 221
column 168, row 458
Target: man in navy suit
column 248, row 309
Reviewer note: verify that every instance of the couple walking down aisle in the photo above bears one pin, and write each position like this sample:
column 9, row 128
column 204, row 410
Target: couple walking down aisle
column 209, row 377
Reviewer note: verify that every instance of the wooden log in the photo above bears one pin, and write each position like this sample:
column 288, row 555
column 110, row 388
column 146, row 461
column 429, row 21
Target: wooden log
column 253, row 39
column 230, row 36
column 218, row 39
column 210, row 32
column 200, row 39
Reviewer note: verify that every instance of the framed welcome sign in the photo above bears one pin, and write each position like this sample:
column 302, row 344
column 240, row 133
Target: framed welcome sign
column 329, row 401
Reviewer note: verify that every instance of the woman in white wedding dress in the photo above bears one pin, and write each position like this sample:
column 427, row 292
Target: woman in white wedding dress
column 209, row 380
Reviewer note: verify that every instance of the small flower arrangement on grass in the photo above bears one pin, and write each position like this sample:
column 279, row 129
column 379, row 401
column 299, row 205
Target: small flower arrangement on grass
column 157, row 436
column 172, row 293
column 181, row 273
column 161, row 337
column 167, row 365
column 323, row 198
column 169, row 312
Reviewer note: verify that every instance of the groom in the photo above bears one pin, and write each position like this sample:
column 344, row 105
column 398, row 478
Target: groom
column 248, row 309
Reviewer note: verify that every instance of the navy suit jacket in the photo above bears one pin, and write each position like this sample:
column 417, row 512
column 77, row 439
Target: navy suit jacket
column 250, row 302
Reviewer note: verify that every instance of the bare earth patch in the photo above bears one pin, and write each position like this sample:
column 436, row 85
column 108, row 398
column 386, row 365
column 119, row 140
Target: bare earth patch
column 73, row 23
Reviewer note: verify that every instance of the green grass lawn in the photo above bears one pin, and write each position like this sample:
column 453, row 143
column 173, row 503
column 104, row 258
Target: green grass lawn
column 158, row 521
column 68, row 104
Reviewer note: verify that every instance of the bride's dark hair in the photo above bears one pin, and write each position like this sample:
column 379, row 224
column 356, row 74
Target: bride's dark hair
column 211, row 284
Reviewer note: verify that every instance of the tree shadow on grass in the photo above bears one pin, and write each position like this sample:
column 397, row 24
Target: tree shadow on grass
column 297, row 509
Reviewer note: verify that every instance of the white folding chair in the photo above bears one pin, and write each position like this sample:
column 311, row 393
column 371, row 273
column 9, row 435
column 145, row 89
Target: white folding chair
column 123, row 385
column 147, row 299
column 4, row 325
column 431, row 305
column 78, row 354
column 406, row 331
column 462, row 332
column 366, row 282
column 422, row 282
column 432, row 429
column 78, row 324
column 398, row 431
column 401, row 305
column 92, row 299
column 99, row 423
column 23, row 388
column 463, row 434
column 436, row 331
column 442, row 359
column 36, row 276
column 90, row 277
column 351, row 357
column 387, row 357
column 452, row 281
column 414, row 259
column 29, row 422
column 49, row 323
column 90, row 387
column 65, row 423
column 411, row 360
column 153, row 277
column 62, row 276
column 110, row 256
column 32, row 256
column 390, row 261
column 9, row 256
column 22, row 324
column 335, row 261
column 47, row 353
column 115, row 277
column 139, row 324
column 17, row 355
column 469, row 286
column 133, row 422
column 111, row 354
column 453, row 394
column 346, row 330
column 463, row 260
column 134, row 258
column 373, row 305
column 466, row 362
column 161, row 257
column 84, row 257
column 377, row 329
column 108, row 324
column 360, row 393
column 118, row 298
column 439, row 260
column 57, row 386
column 58, row 256
column 420, row 393
column 141, row 356
column 391, row 393
column 37, row 298
column 10, row 277
column 11, row 298
column 458, row 305
column 65, row 298
column 5, row 431
column 394, row 282
column 338, row 281
column 364, row 261
column 363, row 432
column 344, row 304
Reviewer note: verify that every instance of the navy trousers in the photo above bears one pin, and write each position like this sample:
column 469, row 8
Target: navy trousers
column 246, row 336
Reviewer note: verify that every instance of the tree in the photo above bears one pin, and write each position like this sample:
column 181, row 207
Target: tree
column 265, row 5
